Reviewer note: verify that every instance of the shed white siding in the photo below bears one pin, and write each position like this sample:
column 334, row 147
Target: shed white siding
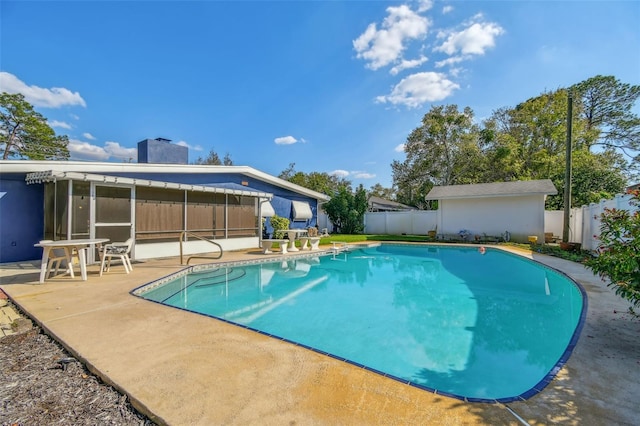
column 522, row 216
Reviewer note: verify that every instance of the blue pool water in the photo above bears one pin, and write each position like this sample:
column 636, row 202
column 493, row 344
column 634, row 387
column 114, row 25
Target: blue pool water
column 485, row 327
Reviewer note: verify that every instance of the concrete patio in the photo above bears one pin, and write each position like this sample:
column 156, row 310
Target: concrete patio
column 181, row 368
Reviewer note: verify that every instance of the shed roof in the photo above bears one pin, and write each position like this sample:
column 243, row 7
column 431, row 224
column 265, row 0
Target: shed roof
column 495, row 189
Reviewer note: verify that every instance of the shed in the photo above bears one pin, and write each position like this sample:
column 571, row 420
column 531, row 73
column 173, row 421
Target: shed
column 493, row 208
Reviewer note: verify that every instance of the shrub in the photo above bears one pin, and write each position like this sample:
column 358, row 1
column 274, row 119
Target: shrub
column 278, row 224
column 618, row 255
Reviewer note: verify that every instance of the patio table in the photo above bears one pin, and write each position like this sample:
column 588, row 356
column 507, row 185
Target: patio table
column 293, row 234
column 80, row 245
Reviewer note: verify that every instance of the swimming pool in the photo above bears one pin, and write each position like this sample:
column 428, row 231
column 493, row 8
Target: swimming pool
column 480, row 327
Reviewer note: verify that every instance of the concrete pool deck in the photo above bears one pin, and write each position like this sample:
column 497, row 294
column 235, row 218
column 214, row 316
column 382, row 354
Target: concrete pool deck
column 181, row 368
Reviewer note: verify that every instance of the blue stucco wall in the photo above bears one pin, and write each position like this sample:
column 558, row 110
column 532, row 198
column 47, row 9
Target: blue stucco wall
column 21, row 219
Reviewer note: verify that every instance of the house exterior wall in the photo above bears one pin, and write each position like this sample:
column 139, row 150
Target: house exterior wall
column 22, row 211
column 169, row 249
column 21, row 218
column 522, row 216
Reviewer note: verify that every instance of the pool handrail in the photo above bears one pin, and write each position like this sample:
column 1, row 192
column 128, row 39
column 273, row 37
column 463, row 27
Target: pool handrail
column 187, row 233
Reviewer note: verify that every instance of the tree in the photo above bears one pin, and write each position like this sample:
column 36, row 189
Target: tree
column 378, row 190
column 438, row 153
column 528, row 142
column 316, row 181
column 619, row 251
column 606, row 107
column 213, row 159
column 596, row 176
column 346, row 210
column 25, row 134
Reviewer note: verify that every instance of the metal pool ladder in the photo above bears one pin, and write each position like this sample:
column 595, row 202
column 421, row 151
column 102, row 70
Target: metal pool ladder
column 339, row 247
column 187, row 233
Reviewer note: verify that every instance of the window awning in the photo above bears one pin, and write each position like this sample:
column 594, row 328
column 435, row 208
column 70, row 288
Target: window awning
column 266, row 209
column 301, row 210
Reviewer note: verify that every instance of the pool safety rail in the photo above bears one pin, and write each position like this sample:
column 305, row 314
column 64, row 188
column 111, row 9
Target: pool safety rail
column 187, row 234
column 339, row 247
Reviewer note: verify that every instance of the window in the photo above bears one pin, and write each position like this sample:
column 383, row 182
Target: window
column 159, row 213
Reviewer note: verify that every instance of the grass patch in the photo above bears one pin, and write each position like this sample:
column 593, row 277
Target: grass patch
column 578, row 256
column 357, row 238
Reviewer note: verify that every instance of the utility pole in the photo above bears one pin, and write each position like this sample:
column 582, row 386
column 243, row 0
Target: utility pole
column 567, row 172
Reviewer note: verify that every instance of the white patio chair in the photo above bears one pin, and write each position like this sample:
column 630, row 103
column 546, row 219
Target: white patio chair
column 118, row 250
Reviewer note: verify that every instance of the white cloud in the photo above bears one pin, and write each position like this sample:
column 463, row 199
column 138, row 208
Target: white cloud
column 88, row 136
column 115, row 150
column 339, row 173
column 406, row 64
column 363, row 175
column 187, row 145
column 455, row 72
column 38, row 96
column 399, row 148
column 447, row 9
column 416, row 89
column 60, row 124
column 81, row 150
column 424, row 5
column 75, row 117
column 285, row 140
column 450, row 61
column 473, row 40
column 382, row 47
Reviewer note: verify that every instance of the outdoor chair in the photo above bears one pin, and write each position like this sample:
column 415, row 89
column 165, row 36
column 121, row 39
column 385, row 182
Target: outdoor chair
column 117, row 250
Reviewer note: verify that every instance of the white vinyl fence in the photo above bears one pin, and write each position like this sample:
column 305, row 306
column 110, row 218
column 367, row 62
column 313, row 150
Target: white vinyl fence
column 410, row 222
column 584, row 222
column 591, row 218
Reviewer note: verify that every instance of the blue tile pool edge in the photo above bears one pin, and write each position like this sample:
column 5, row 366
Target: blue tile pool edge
column 537, row 388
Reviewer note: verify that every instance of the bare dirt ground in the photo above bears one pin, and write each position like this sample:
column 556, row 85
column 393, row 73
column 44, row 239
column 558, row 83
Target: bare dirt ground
column 41, row 384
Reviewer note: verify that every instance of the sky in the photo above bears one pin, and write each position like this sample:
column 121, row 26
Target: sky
column 332, row 86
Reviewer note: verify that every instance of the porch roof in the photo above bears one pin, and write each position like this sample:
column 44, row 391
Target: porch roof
column 52, row 176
